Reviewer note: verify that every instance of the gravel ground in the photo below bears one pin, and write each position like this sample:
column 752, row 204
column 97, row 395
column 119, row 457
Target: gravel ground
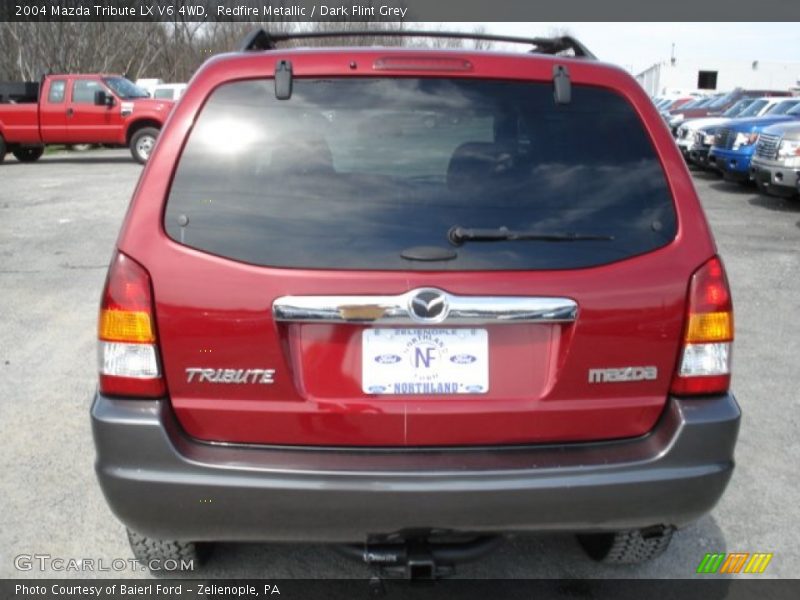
column 58, row 222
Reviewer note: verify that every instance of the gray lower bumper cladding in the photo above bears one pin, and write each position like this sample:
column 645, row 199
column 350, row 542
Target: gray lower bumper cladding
column 165, row 485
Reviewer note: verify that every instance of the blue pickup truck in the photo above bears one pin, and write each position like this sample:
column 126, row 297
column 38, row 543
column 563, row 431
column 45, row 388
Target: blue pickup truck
column 735, row 143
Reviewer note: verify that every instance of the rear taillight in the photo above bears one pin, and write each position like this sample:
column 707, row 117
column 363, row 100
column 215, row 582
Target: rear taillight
column 127, row 350
column 705, row 362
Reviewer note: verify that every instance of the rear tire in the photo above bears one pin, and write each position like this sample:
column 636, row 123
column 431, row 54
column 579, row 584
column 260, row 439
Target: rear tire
column 629, row 547
column 147, row 550
column 28, row 154
column 142, row 143
column 3, row 149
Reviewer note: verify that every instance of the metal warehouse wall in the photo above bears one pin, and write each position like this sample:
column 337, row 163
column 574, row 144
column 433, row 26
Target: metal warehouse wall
column 683, row 75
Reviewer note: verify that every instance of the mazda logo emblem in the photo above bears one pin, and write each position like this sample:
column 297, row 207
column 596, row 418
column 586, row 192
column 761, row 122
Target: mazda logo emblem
column 428, row 306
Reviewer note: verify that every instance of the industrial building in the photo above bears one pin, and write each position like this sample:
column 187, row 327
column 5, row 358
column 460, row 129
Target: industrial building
column 709, row 75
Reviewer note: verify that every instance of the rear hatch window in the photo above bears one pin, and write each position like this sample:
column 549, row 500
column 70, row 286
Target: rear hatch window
column 352, row 173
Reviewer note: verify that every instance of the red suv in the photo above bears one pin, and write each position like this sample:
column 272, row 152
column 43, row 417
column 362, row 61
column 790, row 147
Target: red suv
column 414, row 298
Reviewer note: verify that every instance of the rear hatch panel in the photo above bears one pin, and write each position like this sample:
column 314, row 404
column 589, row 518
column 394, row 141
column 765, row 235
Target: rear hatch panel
column 604, row 375
column 539, row 373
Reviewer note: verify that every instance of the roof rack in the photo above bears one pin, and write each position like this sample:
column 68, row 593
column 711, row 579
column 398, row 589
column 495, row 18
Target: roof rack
column 260, row 39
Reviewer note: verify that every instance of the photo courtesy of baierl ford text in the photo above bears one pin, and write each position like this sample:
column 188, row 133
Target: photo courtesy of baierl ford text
column 399, row 299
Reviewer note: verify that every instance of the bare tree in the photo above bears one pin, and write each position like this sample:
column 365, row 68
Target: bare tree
column 481, row 44
column 559, row 32
column 445, row 42
column 170, row 50
column 28, row 50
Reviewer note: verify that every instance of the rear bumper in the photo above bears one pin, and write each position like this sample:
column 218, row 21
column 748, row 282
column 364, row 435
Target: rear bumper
column 165, row 485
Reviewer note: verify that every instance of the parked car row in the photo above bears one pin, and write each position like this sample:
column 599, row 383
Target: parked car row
column 713, row 105
column 755, row 140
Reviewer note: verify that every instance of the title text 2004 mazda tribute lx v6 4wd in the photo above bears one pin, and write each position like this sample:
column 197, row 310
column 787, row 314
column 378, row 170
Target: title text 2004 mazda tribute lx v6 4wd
column 414, row 299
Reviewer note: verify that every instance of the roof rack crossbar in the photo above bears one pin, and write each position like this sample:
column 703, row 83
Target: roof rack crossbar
column 262, row 40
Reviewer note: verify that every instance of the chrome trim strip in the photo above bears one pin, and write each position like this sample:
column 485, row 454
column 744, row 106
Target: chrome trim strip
column 396, row 310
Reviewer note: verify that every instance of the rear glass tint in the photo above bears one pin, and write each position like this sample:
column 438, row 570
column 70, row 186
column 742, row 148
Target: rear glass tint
column 350, row 173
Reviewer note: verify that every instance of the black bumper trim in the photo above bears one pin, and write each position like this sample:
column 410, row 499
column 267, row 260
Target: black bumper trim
column 163, row 484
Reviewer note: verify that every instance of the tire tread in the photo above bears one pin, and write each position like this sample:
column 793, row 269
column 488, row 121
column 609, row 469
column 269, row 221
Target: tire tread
column 628, row 547
column 147, row 549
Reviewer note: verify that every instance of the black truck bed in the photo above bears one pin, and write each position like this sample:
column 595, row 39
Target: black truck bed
column 19, row 91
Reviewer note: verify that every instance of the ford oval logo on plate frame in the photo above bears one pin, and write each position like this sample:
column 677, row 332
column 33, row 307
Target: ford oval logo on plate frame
column 387, row 359
column 463, row 359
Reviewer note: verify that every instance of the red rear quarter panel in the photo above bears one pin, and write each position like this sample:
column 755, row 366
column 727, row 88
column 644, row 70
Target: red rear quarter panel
column 19, row 123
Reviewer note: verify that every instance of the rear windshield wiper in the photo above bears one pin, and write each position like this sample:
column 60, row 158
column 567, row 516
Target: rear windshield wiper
column 458, row 235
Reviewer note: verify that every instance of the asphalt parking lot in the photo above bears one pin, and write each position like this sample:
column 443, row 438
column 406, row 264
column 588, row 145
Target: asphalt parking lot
column 58, row 222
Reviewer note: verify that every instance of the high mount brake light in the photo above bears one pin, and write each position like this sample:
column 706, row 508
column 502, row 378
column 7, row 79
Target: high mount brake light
column 705, row 362
column 421, row 63
column 127, row 352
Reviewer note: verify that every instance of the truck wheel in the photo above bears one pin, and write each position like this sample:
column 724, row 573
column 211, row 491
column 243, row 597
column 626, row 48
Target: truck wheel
column 142, row 144
column 167, row 556
column 3, row 149
column 28, row 154
column 627, row 547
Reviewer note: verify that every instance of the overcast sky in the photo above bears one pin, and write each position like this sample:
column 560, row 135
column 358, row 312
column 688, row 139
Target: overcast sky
column 636, row 46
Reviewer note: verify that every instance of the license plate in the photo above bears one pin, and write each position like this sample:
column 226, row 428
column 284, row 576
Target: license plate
column 425, row 361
